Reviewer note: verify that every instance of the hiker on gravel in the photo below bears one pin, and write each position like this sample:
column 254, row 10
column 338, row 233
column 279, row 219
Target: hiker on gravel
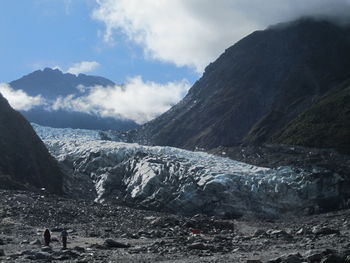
column 47, row 237
column 64, row 235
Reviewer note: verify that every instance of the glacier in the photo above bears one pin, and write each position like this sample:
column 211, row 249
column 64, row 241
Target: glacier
column 181, row 181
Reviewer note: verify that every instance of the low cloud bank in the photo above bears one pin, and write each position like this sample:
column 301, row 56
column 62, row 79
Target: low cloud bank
column 20, row 100
column 136, row 100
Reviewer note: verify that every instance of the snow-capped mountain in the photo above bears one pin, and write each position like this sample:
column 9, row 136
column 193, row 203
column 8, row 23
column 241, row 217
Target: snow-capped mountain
column 181, row 181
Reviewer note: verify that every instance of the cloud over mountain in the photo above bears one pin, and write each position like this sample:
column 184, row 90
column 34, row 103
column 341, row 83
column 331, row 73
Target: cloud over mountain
column 18, row 99
column 136, row 100
column 194, row 32
column 83, row 67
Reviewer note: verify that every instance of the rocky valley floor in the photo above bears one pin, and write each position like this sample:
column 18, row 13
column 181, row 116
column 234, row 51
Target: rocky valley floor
column 113, row 233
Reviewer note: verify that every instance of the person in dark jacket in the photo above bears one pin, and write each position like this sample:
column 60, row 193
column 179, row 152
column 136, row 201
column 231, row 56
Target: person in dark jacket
column 47, row 237
column 64, row 236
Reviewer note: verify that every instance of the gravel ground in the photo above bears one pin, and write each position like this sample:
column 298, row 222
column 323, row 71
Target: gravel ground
column 113, row 233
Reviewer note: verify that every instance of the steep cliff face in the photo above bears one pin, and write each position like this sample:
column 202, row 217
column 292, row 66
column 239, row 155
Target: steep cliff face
column 257, row 87
column 24, row 159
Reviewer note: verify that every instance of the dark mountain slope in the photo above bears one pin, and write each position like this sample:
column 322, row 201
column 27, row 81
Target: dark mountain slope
column 24, row 159
column 260, row 84
column 76, row 120
column 53, row 83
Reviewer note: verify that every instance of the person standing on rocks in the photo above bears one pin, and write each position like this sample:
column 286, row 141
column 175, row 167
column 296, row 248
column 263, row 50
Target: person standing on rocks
column 64, row 235
column 47, row 237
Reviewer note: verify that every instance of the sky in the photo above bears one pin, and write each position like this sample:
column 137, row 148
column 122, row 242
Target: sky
column 148, row 47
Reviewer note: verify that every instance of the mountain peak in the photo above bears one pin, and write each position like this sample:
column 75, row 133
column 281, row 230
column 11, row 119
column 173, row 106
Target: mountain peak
column 51, row 83
column 257, row 86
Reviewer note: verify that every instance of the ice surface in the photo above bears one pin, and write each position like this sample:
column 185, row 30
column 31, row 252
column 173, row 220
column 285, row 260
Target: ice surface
column 177, row 180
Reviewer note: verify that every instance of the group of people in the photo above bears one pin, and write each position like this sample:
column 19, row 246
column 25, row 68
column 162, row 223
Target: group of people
column 64, row 236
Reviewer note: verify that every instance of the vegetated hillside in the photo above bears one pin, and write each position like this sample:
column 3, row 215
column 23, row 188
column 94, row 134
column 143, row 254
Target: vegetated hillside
column 257, row 87
column 24, row 159
column 325, row 124
column 51, row 84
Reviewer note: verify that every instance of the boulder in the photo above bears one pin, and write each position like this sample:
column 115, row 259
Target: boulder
column 115, row 244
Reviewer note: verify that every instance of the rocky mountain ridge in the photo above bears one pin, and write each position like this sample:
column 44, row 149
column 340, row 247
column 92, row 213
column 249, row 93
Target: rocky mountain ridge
column 52, row 84
column 273, row 86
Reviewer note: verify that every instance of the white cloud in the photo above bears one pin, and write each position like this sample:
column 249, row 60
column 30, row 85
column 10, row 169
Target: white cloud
column 136, row 100
column 67, row 6
column 18, row 99
column 83, row 67
column 195, row 32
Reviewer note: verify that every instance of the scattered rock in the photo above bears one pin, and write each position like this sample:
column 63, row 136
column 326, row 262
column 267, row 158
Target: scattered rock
column 79, row 249
column 292, row 259
column 2, row 252
column 324, row 231
column 115, row 244
column 278, row 233
column 46, row 249
column 312, row 256
column 164, row 221
column 259, row 232
column 332, row 259
column 198, row 245
column 35, row 242
column 302, row 231
column 40, row 255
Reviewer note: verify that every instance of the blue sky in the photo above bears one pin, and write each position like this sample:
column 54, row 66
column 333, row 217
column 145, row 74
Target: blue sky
column 47, row 33
column 156, row 48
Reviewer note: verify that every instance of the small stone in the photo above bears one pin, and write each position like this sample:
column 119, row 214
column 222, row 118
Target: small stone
column 292, row 259
column 324, row 231
column 79, row 249
column 198, row 245
column 332, row 259
column 54, row 239
column 46, row 249
column 35, row 242
column 259, row 232
column 57, row 229
column 302, row 231
column 112, row 243
column 313, row 257
column 41, row 255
